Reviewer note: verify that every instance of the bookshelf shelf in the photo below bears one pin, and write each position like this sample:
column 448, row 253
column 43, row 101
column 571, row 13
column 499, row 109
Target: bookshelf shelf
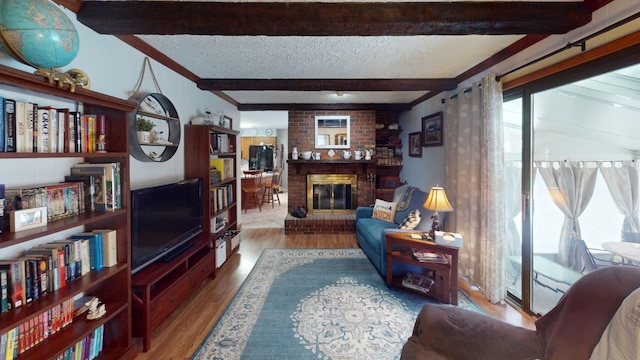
column 111, row 285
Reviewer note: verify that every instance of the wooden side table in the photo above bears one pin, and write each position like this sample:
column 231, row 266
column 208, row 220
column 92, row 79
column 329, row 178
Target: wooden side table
column 399, row 248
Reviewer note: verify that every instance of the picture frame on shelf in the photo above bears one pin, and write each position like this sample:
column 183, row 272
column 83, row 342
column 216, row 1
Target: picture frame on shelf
column 28, row 218
column 415, row 144
column 225, row 122
column 432, row 130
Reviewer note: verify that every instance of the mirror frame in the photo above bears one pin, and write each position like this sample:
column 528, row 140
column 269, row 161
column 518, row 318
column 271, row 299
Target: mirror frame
column 341, row 131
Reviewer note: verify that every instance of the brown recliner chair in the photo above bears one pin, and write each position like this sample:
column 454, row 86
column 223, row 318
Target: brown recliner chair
column 570, row 331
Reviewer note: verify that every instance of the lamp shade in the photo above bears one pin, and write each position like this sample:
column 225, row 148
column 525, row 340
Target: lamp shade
column 437, row 200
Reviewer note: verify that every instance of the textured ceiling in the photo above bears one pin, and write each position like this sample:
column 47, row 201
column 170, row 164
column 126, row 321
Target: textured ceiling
column 291, row 57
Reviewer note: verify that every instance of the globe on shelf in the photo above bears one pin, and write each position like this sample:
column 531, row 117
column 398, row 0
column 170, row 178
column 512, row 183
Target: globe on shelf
column 37, row 33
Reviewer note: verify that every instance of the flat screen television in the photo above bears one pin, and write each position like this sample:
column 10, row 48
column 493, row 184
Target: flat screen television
column 164, row 219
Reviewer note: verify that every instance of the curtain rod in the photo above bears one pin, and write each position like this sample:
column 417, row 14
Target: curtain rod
column 463, row 91
column 582, row 43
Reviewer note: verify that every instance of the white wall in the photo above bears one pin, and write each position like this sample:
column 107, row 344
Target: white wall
column 428, row 170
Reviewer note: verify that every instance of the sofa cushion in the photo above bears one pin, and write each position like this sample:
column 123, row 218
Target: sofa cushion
column 384, row 210
column 411, row 221
column 373, row 229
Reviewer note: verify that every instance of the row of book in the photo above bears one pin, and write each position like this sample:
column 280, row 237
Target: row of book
column 220, row 169
column 221, row 197
column 86, row 349
column 28, row 127
column 51, row 266
column 89, row 187
column 35, row 330
column 219, row 143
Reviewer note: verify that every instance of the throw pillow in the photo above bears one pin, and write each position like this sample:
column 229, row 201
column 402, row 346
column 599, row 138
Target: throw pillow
column 384, row 210
column 411, row 221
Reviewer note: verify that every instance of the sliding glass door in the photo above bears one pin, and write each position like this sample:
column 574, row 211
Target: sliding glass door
column 572, row 184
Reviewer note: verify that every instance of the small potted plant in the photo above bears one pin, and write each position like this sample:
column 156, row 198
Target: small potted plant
column 143, row 128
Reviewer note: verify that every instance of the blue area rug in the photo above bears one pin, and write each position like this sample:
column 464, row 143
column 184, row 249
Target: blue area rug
column 315, row 304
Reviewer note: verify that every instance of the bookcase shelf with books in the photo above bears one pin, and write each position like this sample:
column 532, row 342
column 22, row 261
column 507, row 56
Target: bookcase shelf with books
column 213, row 158
column 112, row 285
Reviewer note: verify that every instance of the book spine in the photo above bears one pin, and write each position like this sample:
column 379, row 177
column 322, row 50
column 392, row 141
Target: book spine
column 42, row 133
column 62, row 131
column 31, row 112
column 21, row 126
column 4, row 290
column 101, row 133
column 9, row 110
column 3, row 131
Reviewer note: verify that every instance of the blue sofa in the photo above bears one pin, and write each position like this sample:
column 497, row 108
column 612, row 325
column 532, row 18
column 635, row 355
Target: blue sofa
column 370, row 232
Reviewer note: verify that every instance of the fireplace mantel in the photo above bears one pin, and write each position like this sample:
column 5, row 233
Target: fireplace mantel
column 352, row 165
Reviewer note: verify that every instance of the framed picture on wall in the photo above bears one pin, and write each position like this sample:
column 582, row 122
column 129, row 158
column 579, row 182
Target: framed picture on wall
column 415, row 144
column 432, row 130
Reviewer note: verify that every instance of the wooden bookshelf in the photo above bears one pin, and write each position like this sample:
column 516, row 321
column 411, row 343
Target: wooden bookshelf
column 111, row 285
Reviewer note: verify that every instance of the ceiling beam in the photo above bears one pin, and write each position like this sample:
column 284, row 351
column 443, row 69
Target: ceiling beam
column 327, row 84
column 332, row 19
column 266, row 107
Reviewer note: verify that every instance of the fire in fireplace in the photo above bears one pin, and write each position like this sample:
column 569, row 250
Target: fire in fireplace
column 332, row 193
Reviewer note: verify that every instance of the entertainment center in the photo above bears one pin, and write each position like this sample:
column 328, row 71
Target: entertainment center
column 159, row 287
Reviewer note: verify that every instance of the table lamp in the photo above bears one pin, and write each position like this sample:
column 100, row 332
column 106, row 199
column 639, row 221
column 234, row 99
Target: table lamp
column 437, row 201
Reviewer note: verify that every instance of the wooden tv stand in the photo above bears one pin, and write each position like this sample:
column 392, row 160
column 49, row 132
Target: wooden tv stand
column 161, row 287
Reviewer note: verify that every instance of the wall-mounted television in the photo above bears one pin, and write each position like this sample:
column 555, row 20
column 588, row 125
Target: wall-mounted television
column 164, row 219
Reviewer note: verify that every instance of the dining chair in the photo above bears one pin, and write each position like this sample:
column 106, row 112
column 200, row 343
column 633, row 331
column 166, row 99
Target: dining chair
column 251, row 186
column 271, row 189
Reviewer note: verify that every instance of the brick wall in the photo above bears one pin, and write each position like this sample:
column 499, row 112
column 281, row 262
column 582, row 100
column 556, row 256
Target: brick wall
column 301, row 135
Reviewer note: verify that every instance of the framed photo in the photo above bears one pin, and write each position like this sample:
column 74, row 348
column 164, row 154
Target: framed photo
column 28, row 218
column 415, row 144
column 432, row 130
column 225, row 122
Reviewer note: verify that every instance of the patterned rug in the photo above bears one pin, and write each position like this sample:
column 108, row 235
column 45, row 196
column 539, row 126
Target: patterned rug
column 315, row 304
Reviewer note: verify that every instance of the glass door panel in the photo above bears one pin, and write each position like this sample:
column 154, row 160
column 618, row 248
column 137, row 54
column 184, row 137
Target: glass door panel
column 513, row 135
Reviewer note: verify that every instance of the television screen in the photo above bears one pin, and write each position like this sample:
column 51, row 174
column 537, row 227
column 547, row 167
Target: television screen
column 163, row 220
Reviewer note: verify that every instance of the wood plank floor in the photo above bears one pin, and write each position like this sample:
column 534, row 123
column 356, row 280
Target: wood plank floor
column 181, row 333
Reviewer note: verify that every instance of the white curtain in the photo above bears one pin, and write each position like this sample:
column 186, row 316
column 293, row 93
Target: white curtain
column 474, row 181
column 571, row 185
column 622, row 180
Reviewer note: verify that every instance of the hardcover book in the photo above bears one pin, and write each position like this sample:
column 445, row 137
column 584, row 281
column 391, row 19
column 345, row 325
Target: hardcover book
column 43, row 123
column 9, row 110
column 4, row 290
column 3, row 135
column 21, row 126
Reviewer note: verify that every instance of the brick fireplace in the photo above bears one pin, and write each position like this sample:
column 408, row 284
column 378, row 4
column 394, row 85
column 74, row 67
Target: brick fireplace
column 301, row 135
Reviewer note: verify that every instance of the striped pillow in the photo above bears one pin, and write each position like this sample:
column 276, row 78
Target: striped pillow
column 411, row 221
